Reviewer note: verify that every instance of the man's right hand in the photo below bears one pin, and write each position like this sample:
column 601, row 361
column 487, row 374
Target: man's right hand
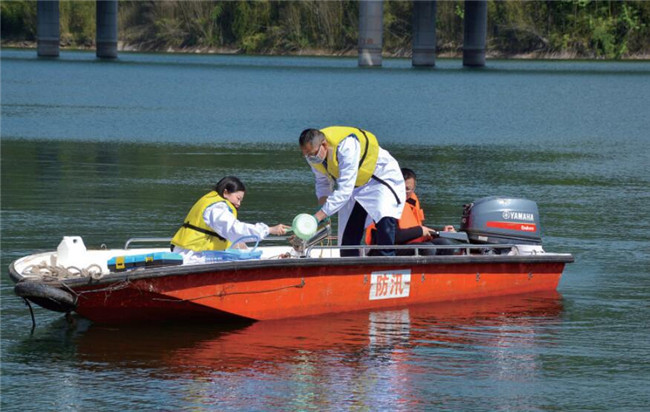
column 320, row 215
column 428, row 232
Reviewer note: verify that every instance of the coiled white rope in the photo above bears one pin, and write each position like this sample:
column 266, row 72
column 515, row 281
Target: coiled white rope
column 47, row 271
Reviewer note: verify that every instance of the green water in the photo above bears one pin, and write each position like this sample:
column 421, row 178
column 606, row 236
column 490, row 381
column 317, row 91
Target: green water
column 113, row 150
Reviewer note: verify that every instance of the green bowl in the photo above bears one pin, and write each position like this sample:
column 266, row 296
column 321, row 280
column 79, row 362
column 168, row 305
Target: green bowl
column 304, row 226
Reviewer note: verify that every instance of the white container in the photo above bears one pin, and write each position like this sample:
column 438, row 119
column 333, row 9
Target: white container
column 71, row 252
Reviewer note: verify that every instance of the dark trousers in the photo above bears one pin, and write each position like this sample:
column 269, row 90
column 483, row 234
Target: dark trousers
column 354, row 232
column 432, row 252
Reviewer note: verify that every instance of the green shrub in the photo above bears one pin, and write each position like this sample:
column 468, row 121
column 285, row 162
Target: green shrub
column 18, row 20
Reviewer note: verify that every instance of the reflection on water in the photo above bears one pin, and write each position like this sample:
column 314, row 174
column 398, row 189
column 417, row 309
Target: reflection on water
column 366, row 359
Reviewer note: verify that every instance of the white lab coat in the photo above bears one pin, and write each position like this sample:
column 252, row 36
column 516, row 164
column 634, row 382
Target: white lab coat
column 219, row 217
column 374, row 196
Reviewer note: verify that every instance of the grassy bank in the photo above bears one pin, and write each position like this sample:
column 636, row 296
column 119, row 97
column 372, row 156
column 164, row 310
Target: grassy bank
column 490, row 54
column 516, row 29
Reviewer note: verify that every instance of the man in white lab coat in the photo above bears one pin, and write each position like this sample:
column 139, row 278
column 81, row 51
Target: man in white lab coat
column 359, row 180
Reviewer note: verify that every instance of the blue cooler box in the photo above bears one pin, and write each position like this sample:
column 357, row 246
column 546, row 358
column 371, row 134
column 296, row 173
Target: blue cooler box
column 231, row 255
column 128, row 262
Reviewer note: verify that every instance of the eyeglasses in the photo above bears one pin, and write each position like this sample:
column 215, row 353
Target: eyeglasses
column 314, row 158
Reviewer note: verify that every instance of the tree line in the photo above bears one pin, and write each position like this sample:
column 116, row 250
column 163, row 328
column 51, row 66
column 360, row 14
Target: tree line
column 569, row 28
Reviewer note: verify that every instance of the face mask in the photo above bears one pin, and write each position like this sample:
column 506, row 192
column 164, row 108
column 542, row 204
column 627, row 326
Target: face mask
column 314, row 159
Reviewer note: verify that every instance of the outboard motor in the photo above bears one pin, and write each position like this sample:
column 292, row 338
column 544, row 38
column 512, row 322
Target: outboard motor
column 499, row 220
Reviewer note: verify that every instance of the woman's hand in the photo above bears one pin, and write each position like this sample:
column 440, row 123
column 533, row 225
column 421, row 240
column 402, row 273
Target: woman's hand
column 278, row 230
column 450, row 228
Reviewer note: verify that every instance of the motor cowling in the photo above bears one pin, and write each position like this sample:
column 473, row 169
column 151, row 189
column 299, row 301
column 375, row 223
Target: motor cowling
column 499, row 220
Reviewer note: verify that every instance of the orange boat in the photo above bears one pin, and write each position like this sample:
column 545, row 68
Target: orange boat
column 281, row 282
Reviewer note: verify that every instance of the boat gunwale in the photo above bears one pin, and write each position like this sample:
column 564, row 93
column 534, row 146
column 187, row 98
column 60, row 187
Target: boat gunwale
column 387, row 261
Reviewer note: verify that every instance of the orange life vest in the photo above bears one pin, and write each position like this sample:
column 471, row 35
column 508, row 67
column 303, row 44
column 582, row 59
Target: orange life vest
column 412, row 216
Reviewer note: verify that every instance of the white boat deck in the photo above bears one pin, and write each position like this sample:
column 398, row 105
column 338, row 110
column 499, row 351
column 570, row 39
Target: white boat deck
column 75, row 261
column 95, row 262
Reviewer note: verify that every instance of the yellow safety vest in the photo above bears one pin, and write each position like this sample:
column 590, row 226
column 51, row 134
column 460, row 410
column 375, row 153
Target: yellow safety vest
column 195, row 234
column 367, row 158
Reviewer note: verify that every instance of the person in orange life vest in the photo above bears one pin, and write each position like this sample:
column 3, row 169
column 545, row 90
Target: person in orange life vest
column 410, row 226
column 212, row 223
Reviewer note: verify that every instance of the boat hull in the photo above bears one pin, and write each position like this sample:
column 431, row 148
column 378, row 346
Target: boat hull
column 274, row 290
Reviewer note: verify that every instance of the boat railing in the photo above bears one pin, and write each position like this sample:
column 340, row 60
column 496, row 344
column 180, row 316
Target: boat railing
column 317, row 243
column 167, row 240
column 418, row 250
column 134, row 240
column 323, row 233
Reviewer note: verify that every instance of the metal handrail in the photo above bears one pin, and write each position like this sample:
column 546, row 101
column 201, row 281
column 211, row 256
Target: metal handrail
column 168, row 240
column 363, row 249
column 146, row 240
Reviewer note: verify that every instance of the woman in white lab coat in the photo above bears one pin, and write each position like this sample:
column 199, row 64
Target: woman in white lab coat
column 212, row 223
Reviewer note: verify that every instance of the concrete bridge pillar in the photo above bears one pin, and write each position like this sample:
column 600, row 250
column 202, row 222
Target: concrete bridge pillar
column 106, row 40
column 424, row 33
column 47, row 28
column 371, row 19
column 475, row 33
